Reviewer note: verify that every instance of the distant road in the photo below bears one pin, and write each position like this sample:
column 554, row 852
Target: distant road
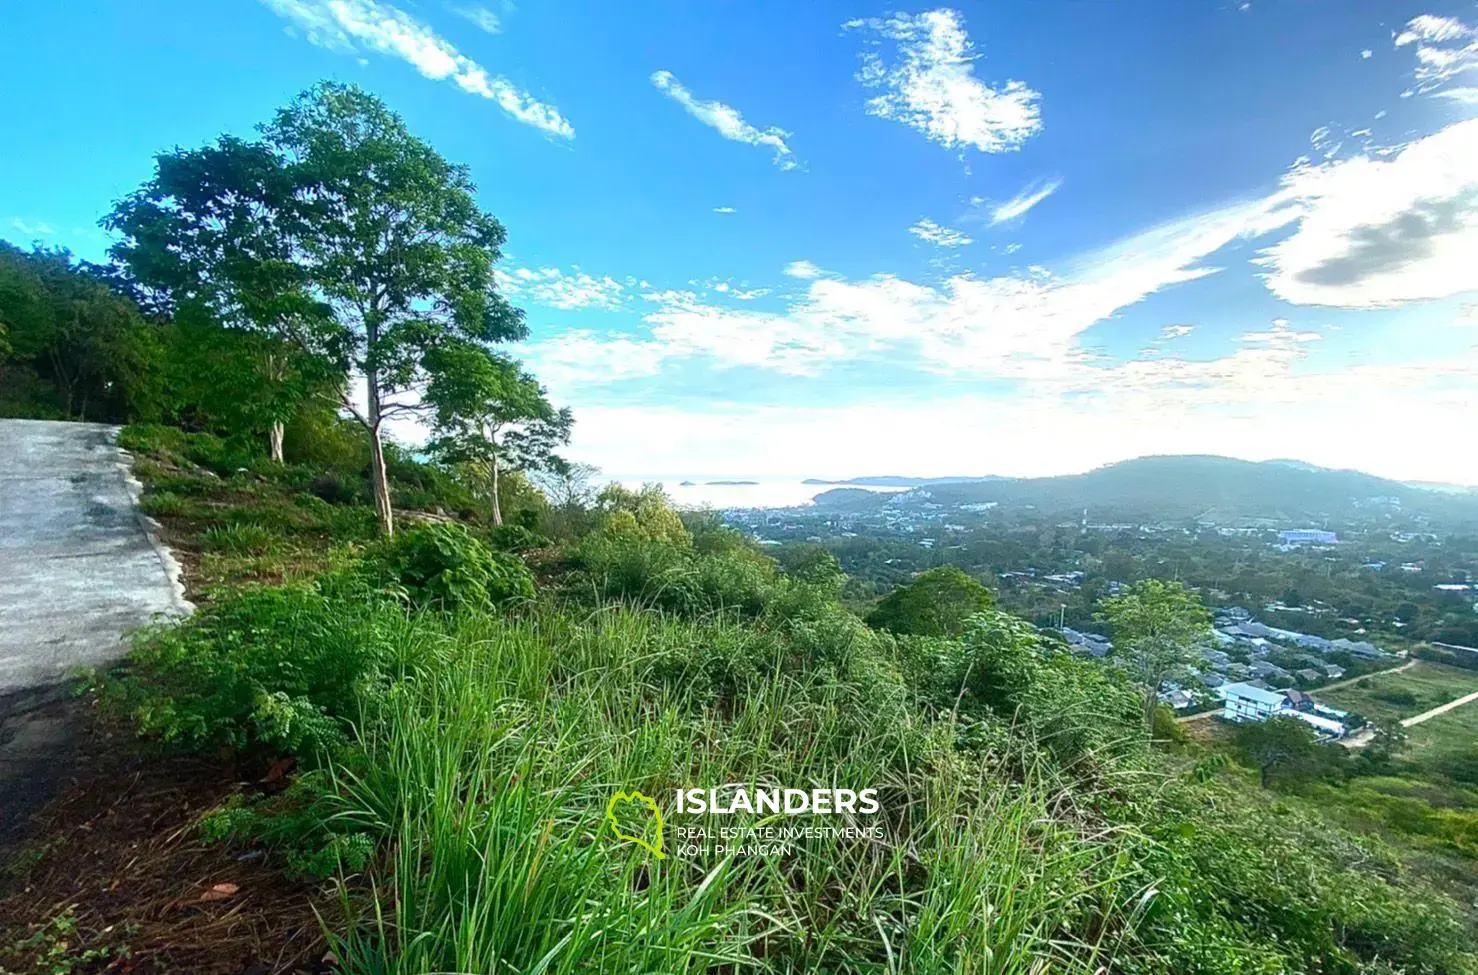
column 1442, row 709
column 81, row 570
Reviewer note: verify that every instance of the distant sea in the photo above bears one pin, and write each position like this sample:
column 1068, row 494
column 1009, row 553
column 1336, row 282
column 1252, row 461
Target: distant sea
column 763, row 492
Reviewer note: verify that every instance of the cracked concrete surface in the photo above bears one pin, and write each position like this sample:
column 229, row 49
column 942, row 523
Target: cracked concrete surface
column 80, row 567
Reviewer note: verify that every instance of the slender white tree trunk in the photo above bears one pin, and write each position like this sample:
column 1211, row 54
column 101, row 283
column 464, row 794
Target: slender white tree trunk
column 379, row 483
column 274, row 441
column 497, row 508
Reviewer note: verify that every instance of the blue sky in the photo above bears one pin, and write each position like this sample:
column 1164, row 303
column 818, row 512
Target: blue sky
column 842, row 238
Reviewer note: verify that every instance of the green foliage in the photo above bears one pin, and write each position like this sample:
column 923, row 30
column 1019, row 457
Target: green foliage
column 937, row 603
column 76, row 349
column 1156, row 625
column 446, row 566
column 240, row 539
column 1285, row 751
column 491, row 415
column 274, row 668
column 644, row 514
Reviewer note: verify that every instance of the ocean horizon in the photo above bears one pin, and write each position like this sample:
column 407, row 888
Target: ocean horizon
column 735, row 491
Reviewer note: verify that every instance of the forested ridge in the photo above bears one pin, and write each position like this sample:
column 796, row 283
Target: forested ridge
column 435, row 668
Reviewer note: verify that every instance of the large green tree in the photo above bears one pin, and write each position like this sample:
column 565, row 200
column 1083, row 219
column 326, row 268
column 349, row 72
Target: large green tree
column 392, row 241
column 1156, row 626
column 76, row 348
column 491, row 416
column 350, row 247
column 937, row 603
column 1286, row 750
column 213, row 239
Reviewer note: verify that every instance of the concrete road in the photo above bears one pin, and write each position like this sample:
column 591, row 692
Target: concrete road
column 79, row 567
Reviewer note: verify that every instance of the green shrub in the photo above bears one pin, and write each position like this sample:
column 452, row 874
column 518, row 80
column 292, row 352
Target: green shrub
column 273, row 668
column 336, row 488
column 164, row 504
column 444, row 565
column 515, row 538
column 152, row 438
column 238, row 539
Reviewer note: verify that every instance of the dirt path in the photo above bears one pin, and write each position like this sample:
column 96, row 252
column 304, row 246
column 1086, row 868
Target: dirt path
column 1440, row 709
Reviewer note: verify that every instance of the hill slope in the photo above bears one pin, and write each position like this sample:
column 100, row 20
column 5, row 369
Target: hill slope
column 1220, row 487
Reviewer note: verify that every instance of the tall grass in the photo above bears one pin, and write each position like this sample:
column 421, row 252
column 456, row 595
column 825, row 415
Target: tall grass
column 490, row 777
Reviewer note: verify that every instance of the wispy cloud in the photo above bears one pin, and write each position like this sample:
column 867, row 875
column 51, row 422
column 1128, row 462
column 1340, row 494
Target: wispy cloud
column 804, row 270
column 726, row 120
column 932, row 232
column 560, row 289
column 1445, row 48
column 1170, row 332
column 32, row 229
column 1019, row 204
column 930, row 85
column 724, row 210
column 348, row 26
column 479, row 16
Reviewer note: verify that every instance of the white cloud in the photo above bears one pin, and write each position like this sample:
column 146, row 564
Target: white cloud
column 1445, row 48
column 481, row 17
column 1176, row 331
column 931, row 86
column 38, row 229
column 347, row 26
column 1367, row 54
column 1463, row 96
column 1246, row 404
column 1019, row 204
column 932, row 232
column 558, row 289
column 726, row 120
column 570, row 360
column 724, row 210
column 1377, row 232
column 802, row 269
column 1023, row 326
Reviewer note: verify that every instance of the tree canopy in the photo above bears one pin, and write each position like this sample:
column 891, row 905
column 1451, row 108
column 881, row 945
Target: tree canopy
column 937, row 603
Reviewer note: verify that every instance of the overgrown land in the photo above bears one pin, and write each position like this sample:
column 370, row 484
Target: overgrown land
column 442, row 666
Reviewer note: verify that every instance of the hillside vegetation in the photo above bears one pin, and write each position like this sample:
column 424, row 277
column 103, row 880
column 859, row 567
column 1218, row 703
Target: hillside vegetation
column 449, row 673
column 459, row 727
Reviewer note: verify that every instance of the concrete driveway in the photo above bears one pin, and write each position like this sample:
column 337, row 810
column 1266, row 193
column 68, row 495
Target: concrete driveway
column 79, row 569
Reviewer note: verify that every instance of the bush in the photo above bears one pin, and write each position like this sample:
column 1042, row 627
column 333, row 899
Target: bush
column 273, row 668
column 445, row 566
column 937, row 603
column 238, row 539
column 515, row 538
column 164, row 504
column 336, row 488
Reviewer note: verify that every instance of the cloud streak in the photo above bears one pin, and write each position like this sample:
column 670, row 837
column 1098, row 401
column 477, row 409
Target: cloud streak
column 1019, row 204
column 349, row 26
column 726, row 120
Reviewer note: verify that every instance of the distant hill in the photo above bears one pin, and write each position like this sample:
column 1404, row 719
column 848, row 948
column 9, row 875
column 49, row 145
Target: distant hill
column 1217, row 488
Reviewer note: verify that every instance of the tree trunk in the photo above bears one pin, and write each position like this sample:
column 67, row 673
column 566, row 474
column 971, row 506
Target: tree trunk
column 497, row 508
column 274, row 441
column 379, row 484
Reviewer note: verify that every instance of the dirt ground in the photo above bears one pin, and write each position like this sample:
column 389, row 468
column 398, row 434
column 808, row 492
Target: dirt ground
column 110, row 876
